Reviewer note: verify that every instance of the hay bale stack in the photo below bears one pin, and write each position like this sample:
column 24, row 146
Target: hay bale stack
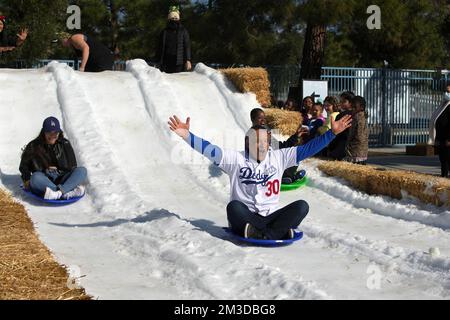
column 285, row 121
column 392, row 183
column 255, row 80
column 27, row 269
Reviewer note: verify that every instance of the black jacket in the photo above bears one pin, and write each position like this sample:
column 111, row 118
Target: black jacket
column 443, row 126
column 38, row 156
column 336, row 149
column 174, row 46
column 289, row 143
column 6, row 41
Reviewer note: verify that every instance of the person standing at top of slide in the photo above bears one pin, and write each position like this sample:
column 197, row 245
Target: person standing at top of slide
column 95, row 57
column 255, row 177
column 174, row 47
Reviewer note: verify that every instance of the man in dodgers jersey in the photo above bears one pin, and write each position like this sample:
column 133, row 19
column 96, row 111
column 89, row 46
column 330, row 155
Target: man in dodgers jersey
column 255, row 178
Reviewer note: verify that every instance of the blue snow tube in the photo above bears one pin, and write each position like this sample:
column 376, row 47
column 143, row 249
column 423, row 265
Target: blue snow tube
column 60, row 202
column 266, row 243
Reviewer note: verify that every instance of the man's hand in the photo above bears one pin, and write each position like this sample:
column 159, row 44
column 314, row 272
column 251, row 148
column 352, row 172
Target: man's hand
column 341, row 125
column 6, row 49
column 81, row 69
column 188, row 66
column 447, row 143
column 23, row 34
column 180, row 128
column 26, row 185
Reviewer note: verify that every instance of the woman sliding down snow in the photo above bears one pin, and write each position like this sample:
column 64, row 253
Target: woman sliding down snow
column 49, row 167
column 255, row 177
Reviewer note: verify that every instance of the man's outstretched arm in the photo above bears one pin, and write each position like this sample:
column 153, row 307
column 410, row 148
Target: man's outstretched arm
column 210, row 151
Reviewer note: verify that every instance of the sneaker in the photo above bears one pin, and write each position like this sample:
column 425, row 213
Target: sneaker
column 52, row 195
column 290, row 234
column 252, row 233
column 286, row 181
column 75, row 193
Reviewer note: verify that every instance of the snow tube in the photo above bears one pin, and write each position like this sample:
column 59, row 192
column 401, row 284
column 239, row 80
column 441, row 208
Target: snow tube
column 295, row 185
column 266, row 243
column 61, row 202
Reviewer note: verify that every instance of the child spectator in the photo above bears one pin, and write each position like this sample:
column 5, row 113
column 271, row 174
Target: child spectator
column 314, row 123
column 357, row 147
column 289, row 105
column 305, row 109
column 331, row 107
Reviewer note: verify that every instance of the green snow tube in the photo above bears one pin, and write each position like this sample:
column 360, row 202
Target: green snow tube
column 295, row 185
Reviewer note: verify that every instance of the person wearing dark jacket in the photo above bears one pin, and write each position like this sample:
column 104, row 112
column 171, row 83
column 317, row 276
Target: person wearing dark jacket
column 49, row 167
column 174, row 47
column 440, row 133
column 336, row 149
column 8, row 43
column 95, row 57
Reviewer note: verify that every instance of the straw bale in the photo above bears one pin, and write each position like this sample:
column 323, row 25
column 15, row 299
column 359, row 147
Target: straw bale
column 392, row 183
column 255, row 80
column 285, row 121
column 27, row 269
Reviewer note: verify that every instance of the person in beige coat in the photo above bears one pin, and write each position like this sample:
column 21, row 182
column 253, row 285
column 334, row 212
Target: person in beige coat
column 357, row 148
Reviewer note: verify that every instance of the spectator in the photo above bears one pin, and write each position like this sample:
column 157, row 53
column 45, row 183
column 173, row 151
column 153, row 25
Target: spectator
column 440, row 133
column 95, row 57
column 305, row 109
column 336, row 149
column 290, row 105
column 313, row 124
column 331, row 107
column 280, row 104
column 8, row 43
column 357, row 147
column 174, row 47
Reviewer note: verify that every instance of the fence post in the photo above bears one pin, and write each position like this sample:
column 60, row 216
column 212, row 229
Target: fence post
column 384, row 108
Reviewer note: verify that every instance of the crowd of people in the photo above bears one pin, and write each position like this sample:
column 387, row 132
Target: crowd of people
column 353, row 144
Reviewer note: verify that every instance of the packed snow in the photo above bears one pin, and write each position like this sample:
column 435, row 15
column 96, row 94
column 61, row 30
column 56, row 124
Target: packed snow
column 151, row 224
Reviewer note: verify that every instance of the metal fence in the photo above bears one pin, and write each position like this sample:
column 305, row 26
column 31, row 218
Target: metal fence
column 118, row 65
column 399, row 102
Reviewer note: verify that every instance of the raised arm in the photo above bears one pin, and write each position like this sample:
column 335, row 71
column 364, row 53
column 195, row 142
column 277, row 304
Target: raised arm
column 210, row 151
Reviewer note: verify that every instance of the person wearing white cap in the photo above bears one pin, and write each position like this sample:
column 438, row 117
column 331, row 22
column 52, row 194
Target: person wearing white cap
column 174, row 47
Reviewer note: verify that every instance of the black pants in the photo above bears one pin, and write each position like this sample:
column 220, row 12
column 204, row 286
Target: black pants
column 275, row 226
column 444, row 158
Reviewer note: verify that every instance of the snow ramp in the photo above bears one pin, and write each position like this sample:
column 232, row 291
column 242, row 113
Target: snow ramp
column 151, row 224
